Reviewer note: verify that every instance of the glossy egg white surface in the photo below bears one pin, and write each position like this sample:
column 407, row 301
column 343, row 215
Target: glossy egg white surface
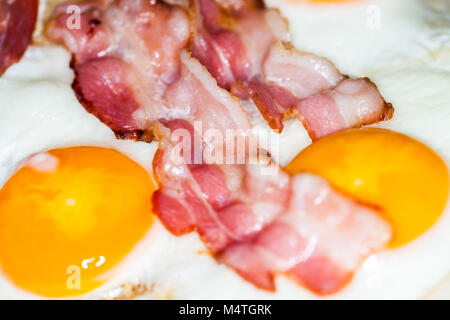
column 365, row 34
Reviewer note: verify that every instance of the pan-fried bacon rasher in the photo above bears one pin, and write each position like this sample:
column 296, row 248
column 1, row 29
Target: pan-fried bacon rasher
column 247, row 49
column 125, row 54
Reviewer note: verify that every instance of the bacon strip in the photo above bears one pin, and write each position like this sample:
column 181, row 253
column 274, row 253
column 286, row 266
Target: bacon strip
column 319, row 240
column 262, row 222
column 245, row 47
column 17, row 22
column 251, row 215
column 354, row 102
column 254, row 217
column 125, row 54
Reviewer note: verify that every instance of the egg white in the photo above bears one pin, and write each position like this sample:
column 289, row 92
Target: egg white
column 366, row 34
column 38, row 111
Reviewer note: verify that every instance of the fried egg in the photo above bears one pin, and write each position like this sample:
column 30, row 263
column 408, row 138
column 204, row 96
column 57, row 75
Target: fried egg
column 85, row 204
column 37, row 97
column 46, row 136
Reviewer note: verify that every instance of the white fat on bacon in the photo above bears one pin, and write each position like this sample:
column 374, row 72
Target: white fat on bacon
column 301, row 73
column 259, row 31
column 196, row 93
column 354, row 102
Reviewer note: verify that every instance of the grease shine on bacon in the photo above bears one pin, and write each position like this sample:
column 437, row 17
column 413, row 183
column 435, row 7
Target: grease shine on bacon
column 258, row 224
column 17, row 22
column 246, row 48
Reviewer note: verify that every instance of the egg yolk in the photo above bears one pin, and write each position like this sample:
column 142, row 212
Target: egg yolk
column 68, row 216
column 403, row 178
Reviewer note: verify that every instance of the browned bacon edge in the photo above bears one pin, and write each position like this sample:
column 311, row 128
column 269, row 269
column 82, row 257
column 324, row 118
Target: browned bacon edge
column 386, row 114
column 17, row 22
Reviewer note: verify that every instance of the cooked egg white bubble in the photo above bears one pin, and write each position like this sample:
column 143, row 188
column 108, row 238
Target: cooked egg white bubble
column 38, row 111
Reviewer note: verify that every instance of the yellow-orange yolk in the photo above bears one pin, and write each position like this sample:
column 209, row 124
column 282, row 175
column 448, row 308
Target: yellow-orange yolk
column 68, row 216
column 403, row 178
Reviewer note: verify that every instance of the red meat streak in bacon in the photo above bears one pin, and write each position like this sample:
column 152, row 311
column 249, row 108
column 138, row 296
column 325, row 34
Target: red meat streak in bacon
column 259, row 224
column 17, row 22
